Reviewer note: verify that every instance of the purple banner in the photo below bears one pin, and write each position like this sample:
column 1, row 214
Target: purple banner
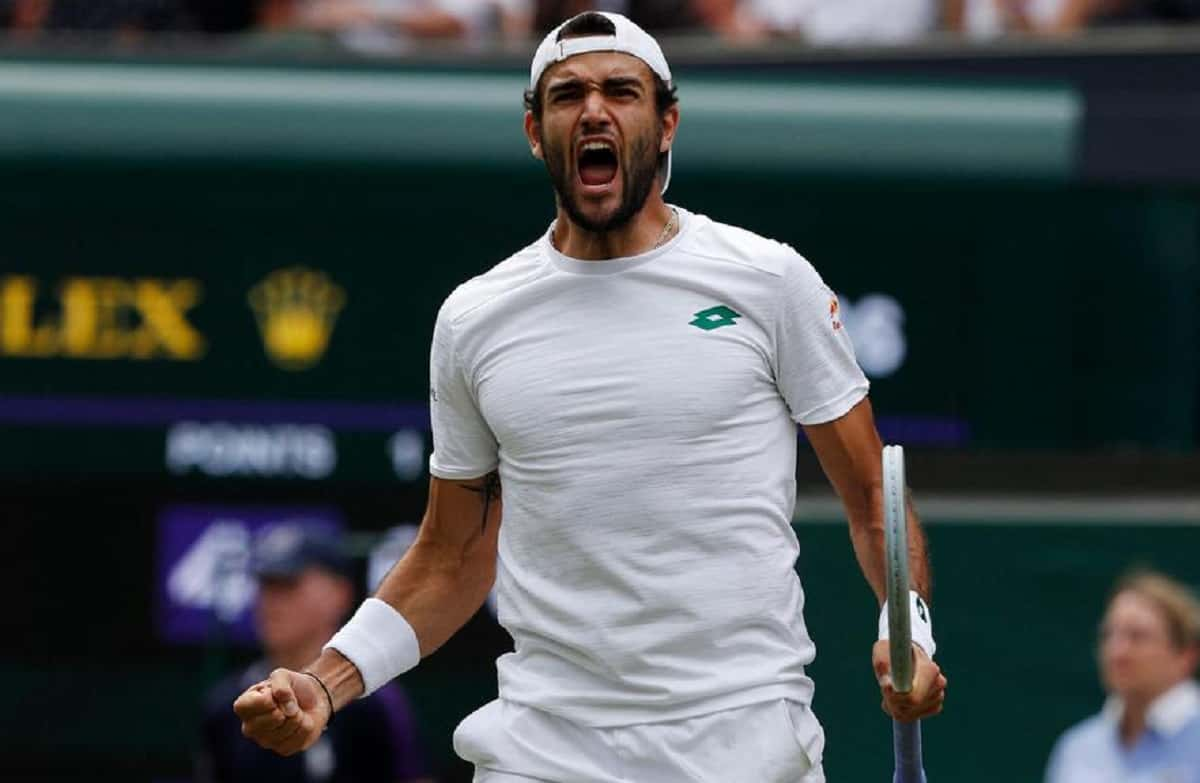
column 204, row 587
column 163, row 411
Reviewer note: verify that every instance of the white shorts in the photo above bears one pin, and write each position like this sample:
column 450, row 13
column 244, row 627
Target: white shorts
column 772, row 742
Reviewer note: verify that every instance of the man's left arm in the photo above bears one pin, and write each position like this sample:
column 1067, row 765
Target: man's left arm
column 850, row 453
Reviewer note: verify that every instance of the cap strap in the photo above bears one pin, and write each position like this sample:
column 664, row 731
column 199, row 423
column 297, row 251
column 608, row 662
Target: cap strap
column 591, row 43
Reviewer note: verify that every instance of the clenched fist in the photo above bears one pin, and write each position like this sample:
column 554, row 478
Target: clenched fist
column 928, row 685
column 285, row 713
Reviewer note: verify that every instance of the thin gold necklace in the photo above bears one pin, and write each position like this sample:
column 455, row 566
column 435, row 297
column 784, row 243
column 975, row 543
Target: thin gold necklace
column 666, row 232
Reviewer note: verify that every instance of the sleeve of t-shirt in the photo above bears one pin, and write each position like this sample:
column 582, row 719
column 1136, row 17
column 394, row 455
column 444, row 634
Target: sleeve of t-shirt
column 463, row 444
column 816, row 371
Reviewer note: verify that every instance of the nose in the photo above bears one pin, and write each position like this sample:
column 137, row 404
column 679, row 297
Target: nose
column 595, row 110
column 1117, row 647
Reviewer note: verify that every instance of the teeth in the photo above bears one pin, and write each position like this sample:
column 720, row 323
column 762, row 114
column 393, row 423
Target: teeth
column 596, row 145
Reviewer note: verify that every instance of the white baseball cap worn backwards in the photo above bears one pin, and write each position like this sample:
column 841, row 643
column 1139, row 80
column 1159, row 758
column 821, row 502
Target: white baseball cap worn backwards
column 628, row 38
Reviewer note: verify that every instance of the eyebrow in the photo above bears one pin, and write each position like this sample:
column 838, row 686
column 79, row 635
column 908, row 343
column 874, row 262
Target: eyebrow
column 622, row 81
column 610, row 83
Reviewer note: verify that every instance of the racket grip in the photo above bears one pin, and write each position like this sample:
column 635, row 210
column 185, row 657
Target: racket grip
column 906, row 742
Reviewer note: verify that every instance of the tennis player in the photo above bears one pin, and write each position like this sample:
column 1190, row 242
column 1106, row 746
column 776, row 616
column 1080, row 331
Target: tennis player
column 633, row 379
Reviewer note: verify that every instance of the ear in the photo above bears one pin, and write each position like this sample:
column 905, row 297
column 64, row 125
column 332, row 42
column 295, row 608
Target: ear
column 533, row 135
column 670, row 124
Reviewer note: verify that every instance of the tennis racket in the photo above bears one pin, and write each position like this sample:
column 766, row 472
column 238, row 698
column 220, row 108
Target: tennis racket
column 906, row 737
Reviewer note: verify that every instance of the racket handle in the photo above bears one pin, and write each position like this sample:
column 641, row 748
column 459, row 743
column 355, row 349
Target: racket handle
column 906, row 741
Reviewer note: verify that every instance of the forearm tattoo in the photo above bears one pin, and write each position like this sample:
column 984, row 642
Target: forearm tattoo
column 489, row 487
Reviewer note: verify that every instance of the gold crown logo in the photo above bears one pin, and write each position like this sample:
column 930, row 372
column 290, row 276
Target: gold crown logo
column 296, row 309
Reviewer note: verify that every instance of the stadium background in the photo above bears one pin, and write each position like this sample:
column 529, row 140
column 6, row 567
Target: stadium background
column 1014, row 230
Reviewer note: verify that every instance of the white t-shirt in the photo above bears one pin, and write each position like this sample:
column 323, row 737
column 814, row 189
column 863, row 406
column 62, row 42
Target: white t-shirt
column 642, row 415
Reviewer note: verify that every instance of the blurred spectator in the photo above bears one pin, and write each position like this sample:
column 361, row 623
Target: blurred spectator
column 22, row 15
column 990, row 18
column 305, row 593
column 823, row 22
column 127, row 16
column 1150, row 727
column 655, row 16
column 387, row 25
column 732, row 19
column 221, row 16
column 111, row 15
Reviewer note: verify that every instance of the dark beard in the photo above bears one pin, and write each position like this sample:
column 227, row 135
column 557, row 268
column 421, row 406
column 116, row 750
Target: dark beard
column 637, row 178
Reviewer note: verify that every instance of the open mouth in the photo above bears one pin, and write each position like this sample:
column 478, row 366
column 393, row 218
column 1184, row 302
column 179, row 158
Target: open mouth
column 597, row 164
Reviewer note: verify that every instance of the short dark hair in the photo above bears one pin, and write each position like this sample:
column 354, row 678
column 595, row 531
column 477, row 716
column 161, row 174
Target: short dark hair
column 587, row 23
column 592, row 23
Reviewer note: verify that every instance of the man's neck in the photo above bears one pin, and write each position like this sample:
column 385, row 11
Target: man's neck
column 1133, row 721
column 1135, row 713
column 643, row 232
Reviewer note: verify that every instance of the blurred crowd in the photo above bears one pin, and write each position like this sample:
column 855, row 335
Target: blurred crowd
column 390, row 24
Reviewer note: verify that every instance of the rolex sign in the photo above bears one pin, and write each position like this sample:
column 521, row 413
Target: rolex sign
column 153, row 318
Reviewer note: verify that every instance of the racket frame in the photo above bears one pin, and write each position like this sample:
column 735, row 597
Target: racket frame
column 906, row 737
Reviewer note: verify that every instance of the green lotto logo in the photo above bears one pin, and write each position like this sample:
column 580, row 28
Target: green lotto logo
column 714, row 318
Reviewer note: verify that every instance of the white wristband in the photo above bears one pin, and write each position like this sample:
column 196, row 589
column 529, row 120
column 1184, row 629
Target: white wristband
column 922, row 623
column 379, row 642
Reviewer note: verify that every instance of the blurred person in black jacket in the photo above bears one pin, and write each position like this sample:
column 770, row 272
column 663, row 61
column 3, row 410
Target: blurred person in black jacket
column 1154, row 11
column 113, row 15
column 221, row 16
column 108, row 16
column 305, row 592
column 125, row 16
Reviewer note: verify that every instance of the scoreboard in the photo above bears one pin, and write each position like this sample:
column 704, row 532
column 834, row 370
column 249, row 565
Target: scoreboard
column 198, row 373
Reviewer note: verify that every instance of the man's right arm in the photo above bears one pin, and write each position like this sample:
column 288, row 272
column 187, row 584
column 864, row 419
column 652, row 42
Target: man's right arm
column 436, row 587
column 441, row 581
